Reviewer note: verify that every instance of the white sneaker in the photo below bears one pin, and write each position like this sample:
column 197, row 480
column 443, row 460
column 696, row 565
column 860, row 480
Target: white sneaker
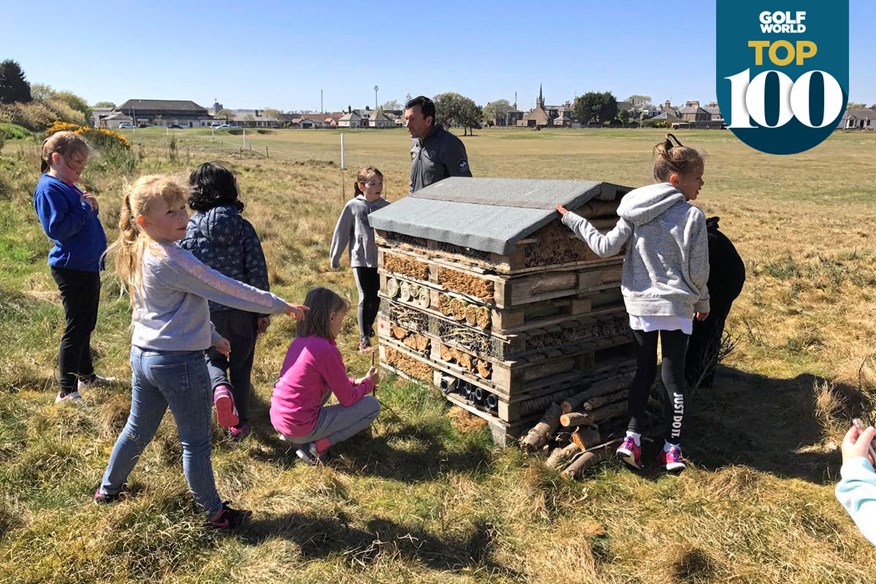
column 73, row 397
column 97, row 381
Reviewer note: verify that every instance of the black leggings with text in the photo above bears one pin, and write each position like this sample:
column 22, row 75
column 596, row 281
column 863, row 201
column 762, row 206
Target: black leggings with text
column 674, row 344
column 368, row 283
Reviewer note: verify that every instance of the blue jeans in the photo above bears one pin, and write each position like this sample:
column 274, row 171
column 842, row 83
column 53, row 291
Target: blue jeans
column 159, row 379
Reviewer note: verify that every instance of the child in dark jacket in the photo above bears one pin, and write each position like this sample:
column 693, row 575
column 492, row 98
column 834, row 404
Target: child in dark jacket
column 726, row 278
column 218, row 236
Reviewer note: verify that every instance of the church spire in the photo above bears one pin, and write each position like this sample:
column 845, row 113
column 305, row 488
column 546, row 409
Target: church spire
column 540, row 96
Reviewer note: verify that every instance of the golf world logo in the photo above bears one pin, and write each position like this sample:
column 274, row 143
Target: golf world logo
column 782, row 71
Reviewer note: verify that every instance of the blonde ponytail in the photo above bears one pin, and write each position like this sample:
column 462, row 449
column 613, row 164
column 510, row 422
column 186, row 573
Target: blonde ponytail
column 128, row 248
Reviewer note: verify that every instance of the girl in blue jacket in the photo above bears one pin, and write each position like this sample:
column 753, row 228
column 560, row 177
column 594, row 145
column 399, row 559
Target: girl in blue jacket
column 69, row 217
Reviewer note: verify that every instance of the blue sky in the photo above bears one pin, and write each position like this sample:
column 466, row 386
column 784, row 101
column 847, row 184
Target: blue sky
column 281, row 54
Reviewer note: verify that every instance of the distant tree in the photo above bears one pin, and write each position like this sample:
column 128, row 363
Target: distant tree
column 447, row 107
column 104, row 104
column 74, row 101
column 495, row 111
column 392, row 104
column 470, row 115
column 408, row 98
column 224, row 114
column 593, row 106
column 41, row 92
column 640, row 103
column 854, row 105
column 13, row 85
column 624, row 116
column 453, row 108
column 270, row 112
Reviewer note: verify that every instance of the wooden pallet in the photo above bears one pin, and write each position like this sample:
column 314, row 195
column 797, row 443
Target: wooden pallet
column 545, row 377
column 501, row 293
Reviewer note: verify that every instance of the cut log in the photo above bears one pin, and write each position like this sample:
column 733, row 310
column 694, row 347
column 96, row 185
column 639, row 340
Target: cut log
column 405, row 292
column 423, row 298
column 575, row 470
column 598, row 402
column 575, row 419
column 608, row 412
column 586, row 437
column 597, row 390
column 392, row 287
column 562, row 455
column 541, row 432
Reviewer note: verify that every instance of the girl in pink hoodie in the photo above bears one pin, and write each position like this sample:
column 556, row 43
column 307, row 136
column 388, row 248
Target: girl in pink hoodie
column 312, row 371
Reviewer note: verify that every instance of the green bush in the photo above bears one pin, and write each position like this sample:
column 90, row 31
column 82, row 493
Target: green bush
column 36, row 116
column 13, row 132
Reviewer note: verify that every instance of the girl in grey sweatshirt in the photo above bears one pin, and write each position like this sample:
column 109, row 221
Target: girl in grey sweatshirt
column 353, row 230
column 663, row 283
column 171, row 330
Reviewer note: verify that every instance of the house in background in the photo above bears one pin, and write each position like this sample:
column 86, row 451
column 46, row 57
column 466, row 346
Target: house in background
column 350, row 120
column 114, row 120
column 253, row 118
column 858, row 119
column 714, row 111
column 547, row 116
column 99, row 114
column 166, row 112
column 309, row 121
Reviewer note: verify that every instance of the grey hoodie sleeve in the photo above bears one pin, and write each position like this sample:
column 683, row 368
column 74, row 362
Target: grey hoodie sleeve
column 341, row 237
column 602, row 245
column 699, row 259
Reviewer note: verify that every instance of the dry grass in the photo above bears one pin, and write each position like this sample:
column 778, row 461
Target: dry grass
column 425, row 497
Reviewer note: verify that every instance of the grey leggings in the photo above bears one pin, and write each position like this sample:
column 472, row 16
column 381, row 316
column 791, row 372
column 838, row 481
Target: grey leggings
column 337, row 423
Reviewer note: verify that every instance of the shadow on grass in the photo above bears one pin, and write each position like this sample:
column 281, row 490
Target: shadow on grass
column 392, row 448
column 322, row 536
column 406, row 453
column 771, row 425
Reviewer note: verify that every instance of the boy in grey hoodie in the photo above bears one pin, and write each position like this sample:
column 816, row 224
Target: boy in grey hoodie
column 663, row 283
column 353, row 230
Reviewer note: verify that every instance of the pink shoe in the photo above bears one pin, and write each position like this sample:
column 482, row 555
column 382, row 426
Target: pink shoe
column 226, row 413
column 630, row 452
column 671, row 460
column 240, row 432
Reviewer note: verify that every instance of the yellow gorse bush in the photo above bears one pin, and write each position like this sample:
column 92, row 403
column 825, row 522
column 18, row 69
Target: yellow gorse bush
column 100, row 137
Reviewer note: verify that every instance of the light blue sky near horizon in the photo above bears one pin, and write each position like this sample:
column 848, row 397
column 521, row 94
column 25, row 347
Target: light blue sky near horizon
column 270, row 53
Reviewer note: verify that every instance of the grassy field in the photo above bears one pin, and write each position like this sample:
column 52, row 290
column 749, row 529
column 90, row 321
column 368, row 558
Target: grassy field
column 425, row 497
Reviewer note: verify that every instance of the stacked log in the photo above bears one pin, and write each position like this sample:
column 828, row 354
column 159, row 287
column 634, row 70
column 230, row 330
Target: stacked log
column 507, row 336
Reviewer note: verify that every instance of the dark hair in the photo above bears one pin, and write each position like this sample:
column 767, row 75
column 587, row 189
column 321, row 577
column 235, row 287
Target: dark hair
column 317, row 321
column 212, row 186
column 362, row 178
column 675, row 158
column 426, row 105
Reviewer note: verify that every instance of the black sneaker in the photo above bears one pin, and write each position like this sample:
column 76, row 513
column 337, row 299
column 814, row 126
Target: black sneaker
column 101, row 497
column 229, row 518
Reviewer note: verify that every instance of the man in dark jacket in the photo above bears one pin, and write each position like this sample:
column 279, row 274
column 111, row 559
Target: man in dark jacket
column 435, row 153
column 726, row 278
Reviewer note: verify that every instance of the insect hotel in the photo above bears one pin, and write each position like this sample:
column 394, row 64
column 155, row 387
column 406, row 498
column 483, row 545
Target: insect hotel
column 486, row 295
